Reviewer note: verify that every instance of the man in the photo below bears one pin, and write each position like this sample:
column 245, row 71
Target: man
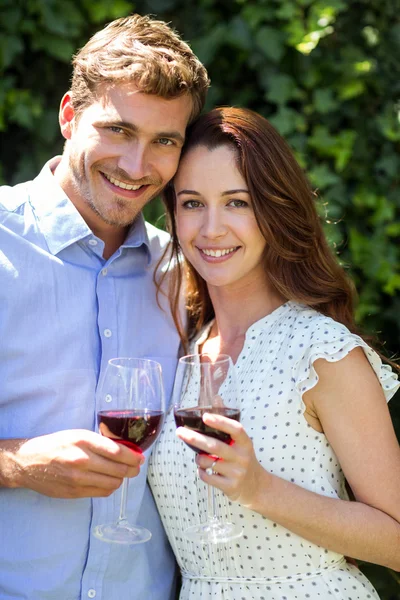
column 76, row 289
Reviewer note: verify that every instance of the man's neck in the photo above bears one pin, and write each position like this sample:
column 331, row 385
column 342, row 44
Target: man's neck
column 113, row 237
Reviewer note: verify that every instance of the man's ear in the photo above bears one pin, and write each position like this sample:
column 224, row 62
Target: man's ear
column 66, row 116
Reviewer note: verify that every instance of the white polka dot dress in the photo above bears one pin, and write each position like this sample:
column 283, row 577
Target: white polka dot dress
column 268, row 562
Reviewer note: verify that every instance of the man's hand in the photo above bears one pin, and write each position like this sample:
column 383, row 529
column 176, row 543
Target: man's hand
column 76, row 463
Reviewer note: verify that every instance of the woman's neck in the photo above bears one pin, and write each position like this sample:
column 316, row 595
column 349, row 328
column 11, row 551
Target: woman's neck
column 235, row 311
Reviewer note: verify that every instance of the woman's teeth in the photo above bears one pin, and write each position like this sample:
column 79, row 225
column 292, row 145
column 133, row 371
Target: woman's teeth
column 218, row 253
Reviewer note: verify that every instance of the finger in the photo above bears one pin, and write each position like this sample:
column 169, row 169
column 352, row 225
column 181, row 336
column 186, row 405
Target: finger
column 104, row 466
column 204, row 443
column 204, row 461
column 76, row 483
column 224, row 468
column 111, row 450
column 229, row 426
column 216, row 479
column 87, row 492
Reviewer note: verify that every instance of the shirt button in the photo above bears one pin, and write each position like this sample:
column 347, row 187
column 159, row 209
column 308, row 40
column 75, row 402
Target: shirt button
column 91, row 593
column 104, row 272
column 93, row 242
column 108, row 398
column 108, row 332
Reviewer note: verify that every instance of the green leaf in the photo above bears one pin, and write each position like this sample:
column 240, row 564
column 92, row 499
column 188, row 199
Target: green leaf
column 239, row 34
column 10, row 47
column 389, row 164
column 287, row 120
column 384, row 212
column 54, row 46
column 324, row 101
column 322, row 177
column 10, row 18
column 288, row 11
column 255, row 14
column 351, row 89
column 271, row 43
column 389, row 123
column 393, row 230
column 104, row 10
column 393, row 284
column 339, row 147
column 206, row 47
column 281, row 88
column 23, row 108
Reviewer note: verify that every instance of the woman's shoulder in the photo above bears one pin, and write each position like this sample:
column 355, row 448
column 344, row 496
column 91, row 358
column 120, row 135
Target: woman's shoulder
column 313, row 326
column 317, row 336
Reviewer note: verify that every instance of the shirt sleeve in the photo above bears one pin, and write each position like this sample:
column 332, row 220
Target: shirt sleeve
column 333, row 341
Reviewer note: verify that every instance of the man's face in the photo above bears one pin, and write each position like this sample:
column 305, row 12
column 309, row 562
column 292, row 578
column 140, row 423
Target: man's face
column 120, row 152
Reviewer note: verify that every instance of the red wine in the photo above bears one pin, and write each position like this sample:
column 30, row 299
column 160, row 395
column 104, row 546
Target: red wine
column 192, row 418
column 137, row 429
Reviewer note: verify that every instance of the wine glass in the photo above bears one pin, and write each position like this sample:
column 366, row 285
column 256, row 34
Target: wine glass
column 207, row 384
column 135, row 389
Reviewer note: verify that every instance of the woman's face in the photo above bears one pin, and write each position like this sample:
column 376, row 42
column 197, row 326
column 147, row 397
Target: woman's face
column 216, row 225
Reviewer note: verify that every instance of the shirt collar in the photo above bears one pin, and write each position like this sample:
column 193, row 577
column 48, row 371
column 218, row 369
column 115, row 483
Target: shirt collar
column 61, row 223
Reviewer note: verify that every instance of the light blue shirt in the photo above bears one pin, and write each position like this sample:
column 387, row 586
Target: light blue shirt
column 64, row 312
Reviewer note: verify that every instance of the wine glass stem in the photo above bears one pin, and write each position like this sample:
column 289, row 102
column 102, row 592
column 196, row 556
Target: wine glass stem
column 211, row 504
column 124, row 496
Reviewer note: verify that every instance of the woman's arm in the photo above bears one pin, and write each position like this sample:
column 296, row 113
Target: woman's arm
column 350, row 405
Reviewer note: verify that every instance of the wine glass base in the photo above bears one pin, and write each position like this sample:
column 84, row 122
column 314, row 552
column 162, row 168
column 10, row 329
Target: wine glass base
column 121, row 533
column 213, row 533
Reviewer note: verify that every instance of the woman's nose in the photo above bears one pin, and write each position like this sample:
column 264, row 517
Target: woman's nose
column 214, row 225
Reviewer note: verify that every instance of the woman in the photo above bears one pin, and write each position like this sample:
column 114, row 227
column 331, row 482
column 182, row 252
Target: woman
column 264, row 288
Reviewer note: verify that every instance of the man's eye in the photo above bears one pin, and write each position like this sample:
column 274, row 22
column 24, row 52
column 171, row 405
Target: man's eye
column 191, row 204
column 116, row 129
column 238, row 203
column 165, row 142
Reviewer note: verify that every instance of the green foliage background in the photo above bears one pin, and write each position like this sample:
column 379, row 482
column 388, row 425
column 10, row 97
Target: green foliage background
column 325, row 72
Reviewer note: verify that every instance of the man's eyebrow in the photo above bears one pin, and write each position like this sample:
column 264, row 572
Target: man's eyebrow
column 227, row 193
column 175, row 135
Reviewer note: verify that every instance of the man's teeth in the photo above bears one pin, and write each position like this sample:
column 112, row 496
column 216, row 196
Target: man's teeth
column 218, row 253
column 121, row 184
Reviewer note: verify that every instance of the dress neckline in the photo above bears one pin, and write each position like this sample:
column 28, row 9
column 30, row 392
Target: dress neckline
column 264, row 322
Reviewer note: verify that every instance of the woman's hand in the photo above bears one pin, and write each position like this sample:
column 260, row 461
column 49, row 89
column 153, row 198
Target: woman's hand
column 237, row 472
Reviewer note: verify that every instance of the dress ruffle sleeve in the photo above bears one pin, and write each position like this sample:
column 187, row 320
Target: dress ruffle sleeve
column 333, row 341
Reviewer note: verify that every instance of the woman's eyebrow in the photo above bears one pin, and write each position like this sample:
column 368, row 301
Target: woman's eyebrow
column 191, row 192
column 227, row 193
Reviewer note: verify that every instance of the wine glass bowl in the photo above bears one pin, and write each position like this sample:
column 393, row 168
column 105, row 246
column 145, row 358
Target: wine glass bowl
column 206, row 384
column 133, row 390
column 136, row 429
column 192, row 418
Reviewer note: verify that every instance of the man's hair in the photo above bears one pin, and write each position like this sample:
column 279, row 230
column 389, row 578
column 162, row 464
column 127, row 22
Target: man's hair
column 143, row 51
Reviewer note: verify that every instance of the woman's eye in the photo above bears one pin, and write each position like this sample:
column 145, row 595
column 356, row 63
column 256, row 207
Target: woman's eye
column 191, row 204
column 238, row 203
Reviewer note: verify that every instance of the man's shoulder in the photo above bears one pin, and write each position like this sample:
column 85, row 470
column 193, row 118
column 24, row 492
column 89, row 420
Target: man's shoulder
column 13, row 197
column 158, row 240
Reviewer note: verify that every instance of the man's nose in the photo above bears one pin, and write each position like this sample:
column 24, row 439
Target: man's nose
column 134, row 162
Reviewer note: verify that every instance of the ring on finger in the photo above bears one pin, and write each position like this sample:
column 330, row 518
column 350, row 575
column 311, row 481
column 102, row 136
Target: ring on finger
column 210, row 470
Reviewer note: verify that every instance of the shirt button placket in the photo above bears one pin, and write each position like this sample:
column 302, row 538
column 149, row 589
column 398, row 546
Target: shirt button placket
column 107, row 322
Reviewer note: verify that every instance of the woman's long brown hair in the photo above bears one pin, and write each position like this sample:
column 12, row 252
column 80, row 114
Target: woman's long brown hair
column 298, row 261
